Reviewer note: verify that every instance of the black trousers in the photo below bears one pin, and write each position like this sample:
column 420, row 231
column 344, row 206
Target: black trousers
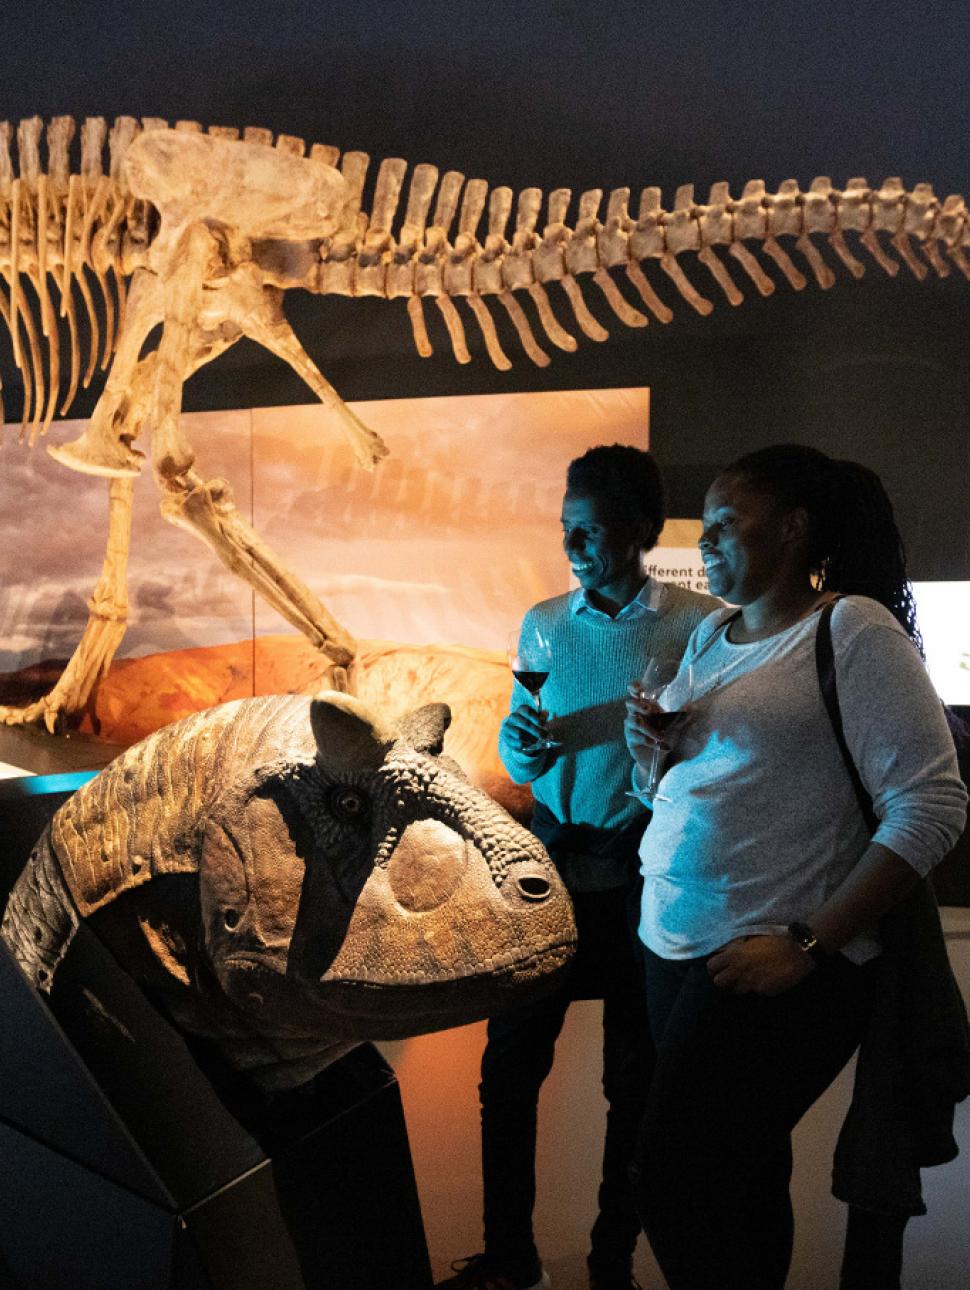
column 518, row 1056
column 734, row 1075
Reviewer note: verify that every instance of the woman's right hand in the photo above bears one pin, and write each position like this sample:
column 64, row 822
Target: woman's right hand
column 528, row 729
column 641, row 738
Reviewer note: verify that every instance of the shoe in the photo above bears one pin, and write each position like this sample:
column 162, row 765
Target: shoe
column 479, row 1272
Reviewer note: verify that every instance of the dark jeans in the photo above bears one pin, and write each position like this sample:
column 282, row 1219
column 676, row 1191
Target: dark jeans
column 734, row 1075
column 518, row 1057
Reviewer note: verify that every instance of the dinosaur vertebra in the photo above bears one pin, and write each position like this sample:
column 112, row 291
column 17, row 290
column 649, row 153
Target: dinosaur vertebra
column 202, row 233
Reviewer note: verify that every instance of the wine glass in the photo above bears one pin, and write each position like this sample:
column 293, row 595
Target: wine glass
column 669, row 683
column 530, row 657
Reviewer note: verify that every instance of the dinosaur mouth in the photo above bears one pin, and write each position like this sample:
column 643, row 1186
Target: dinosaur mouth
column 509, row 965
column 413, row 1003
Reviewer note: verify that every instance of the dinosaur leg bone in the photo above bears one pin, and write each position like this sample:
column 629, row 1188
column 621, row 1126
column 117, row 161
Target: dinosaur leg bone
column 258, row 313
column 104, row 631
column 207, row 509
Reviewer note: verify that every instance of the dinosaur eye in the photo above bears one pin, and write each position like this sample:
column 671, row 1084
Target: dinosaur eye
column 349, row 805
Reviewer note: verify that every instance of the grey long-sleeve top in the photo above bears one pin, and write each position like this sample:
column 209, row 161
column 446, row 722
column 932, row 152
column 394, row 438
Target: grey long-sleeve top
column 761, row 823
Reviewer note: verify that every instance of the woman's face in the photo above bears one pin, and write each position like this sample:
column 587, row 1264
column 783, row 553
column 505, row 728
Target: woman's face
column 745, row 541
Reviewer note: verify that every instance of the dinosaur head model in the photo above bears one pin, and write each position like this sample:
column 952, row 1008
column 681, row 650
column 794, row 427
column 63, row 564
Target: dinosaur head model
column 289, row 878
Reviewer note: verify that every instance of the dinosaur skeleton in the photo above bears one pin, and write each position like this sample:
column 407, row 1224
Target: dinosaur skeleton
column 201, row 233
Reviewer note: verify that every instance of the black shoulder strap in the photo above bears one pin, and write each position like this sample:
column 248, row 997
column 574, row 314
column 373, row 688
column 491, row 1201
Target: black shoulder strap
column 825, row 666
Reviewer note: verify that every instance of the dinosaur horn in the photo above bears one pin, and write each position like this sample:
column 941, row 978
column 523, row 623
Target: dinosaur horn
column 424, row 728
column 348, row 735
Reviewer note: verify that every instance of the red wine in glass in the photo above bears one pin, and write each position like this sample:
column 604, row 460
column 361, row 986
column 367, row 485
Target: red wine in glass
column 530, row 657
column 661, row 722
column 532, row 681
column 663, row 678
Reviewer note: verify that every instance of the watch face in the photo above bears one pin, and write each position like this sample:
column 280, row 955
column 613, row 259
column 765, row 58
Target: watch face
column 802, row 934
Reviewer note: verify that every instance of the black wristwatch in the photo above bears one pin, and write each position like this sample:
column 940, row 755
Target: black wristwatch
column 808, row 942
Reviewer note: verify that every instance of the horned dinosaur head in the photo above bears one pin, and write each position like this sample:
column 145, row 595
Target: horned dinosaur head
column 374, row 885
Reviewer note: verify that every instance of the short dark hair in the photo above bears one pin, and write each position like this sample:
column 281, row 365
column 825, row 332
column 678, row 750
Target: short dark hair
column 627, row 478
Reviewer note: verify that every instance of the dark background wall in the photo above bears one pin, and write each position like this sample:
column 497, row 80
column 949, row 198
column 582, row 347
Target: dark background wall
column 562, row 94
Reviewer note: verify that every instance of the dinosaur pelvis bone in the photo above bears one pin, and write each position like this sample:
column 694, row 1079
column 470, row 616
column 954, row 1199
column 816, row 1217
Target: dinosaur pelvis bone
column 257, row 192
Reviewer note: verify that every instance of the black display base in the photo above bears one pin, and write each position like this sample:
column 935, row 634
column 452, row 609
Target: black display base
column 125, row 1163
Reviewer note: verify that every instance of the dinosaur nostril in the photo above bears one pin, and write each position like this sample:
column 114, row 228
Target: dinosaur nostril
column 533, row 887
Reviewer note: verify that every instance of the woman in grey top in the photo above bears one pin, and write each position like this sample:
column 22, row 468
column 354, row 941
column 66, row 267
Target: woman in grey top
column 763, row 888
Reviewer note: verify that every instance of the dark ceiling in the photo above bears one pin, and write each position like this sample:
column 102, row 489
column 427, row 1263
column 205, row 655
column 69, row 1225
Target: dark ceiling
column 582, row 96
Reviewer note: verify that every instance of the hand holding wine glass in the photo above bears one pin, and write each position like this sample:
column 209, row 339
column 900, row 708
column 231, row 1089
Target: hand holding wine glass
column 530, row 657
column 656, row 711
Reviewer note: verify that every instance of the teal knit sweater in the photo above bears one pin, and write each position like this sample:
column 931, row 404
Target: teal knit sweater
column 594, row 660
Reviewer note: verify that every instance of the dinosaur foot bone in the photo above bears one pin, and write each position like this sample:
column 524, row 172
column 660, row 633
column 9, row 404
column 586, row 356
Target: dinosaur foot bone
column 104, row 631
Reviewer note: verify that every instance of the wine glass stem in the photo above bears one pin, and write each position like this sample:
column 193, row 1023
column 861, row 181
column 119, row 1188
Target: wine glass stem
column 654, row 773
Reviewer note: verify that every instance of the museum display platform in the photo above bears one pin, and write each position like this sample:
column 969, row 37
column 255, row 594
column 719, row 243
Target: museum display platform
column 124, row 1169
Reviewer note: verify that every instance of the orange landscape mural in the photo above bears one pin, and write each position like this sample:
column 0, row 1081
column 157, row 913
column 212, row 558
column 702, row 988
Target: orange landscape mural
column 430, row 561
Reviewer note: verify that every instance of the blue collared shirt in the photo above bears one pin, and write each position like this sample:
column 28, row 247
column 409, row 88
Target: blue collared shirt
column 647, row 601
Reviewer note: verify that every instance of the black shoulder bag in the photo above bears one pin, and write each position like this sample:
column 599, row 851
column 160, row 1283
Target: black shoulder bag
column 914, row 1060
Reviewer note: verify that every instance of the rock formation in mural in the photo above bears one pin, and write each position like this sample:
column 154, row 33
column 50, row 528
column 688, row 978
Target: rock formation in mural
column 199, row 234
column 289, row 877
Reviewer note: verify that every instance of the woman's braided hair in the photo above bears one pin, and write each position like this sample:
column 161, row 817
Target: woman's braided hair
column 854, row 545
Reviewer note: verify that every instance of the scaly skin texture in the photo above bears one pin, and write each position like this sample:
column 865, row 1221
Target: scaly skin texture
column 290, row 879
column 202, row 233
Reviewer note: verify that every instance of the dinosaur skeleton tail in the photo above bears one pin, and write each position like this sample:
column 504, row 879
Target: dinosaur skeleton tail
column 68, row 236
column 419, row 259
